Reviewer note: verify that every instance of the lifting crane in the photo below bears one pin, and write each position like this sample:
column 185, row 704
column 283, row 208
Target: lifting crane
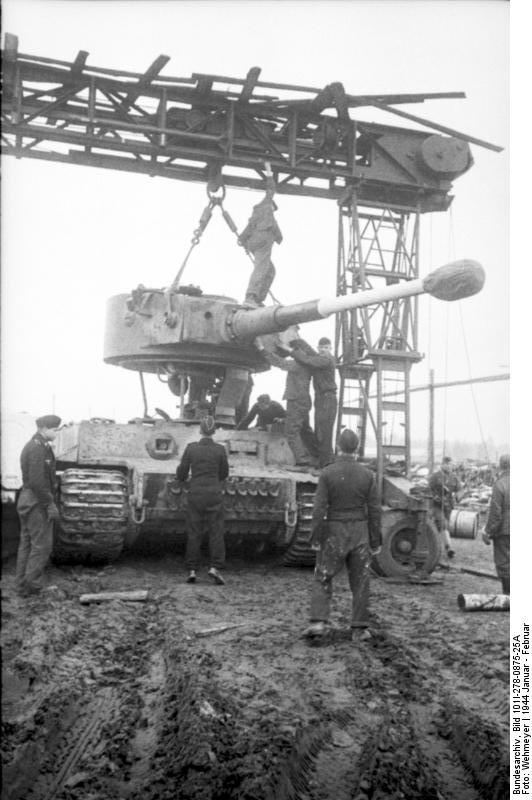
column 221, row 130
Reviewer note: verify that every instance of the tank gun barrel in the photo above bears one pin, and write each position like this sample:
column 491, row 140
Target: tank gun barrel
column 453, row 281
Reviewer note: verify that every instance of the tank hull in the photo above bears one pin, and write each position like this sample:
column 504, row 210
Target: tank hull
column 118, row 488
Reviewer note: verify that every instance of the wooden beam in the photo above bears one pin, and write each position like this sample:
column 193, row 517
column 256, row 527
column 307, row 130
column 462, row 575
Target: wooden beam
column 145, row 79
column 79, row 63
column 250, row 83
column 442, row 128
column 10, row 48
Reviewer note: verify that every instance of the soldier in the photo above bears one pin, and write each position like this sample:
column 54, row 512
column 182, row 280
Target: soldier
column 36, row 507
column 323, row 366
column 444, row 485
column 345, row 530
column 207, row 462
column 497, row 528
column 267, row 410
column 258, row 237
column 298, row 404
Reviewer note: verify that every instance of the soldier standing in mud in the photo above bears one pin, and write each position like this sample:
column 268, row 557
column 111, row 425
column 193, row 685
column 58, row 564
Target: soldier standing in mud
column 300, row 435
column 258, row 237
column 323, row 366
column 497, row 528
column 207, row 462
column 36, row 507
column 444, row 485
column 345, row 530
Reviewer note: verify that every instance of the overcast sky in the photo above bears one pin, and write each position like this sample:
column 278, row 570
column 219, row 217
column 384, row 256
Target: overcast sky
column 73, row 236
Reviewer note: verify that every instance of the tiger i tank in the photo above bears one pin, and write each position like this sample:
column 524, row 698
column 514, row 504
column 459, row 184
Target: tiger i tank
column 117, row 480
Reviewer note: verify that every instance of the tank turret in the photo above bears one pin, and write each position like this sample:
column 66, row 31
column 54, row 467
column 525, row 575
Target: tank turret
column 118, row 481
column 204, row 344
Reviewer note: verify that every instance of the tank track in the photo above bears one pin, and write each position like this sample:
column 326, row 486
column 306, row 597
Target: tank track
column 299, row 553
column 94, row 516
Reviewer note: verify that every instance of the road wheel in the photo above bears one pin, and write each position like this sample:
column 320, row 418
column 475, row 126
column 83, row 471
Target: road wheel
column 406, row 550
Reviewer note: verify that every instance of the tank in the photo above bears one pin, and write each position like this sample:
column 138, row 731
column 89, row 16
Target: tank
column 117, row 481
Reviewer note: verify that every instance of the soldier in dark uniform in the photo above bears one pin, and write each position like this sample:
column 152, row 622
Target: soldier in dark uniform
column 497, row 528
column 258, row 237
column 207, row 462
column 323, row 366
column 345, row 530
column 36, row 507
column 267, row 412
column 300, row 435
column 444, row 485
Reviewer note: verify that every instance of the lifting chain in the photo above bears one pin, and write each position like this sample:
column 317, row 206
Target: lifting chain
column 214, row 200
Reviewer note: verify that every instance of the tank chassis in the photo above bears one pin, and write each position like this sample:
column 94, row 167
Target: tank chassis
column 118, row 480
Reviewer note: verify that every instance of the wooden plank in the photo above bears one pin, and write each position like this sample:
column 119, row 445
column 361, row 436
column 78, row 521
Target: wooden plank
column 391, row 405
column 437, row 127
column 250, row 83
column 204, row 85
column 80, row 61
column 10, row 48
column 135, row 596
column 145, row 80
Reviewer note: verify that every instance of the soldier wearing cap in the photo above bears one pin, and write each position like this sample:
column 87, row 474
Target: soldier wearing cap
column 207, row 462
column 36, row 507
column 346, row 531
column 497, row 528
column 322, row 365
column 444, row 485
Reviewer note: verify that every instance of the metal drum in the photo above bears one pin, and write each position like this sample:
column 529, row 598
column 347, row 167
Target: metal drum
column 463, row 524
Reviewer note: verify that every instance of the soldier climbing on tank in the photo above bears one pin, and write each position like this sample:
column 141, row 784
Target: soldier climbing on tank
column 257, row 238
column 444, row 485
column 497, row 528
column 346, row 531
column 207, row 462
column 36, row 507
column 300, row 435
column 323, row 365
column 267, row 412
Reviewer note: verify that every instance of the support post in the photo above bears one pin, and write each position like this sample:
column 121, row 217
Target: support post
column 430, row 454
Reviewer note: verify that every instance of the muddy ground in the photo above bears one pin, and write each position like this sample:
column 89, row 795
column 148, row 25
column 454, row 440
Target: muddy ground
column 146, row 700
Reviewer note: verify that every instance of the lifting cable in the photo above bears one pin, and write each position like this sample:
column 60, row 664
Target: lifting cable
column 214, row 200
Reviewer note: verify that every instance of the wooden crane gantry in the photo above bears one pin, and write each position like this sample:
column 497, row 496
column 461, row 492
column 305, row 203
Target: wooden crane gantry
column 221, row 130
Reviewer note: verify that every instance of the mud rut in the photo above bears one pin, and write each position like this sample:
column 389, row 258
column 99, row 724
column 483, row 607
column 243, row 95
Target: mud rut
column 145, row 701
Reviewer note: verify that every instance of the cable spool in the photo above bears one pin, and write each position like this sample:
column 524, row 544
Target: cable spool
column 463, row 524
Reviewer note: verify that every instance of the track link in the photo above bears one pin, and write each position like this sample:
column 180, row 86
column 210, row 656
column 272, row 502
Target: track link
column 94, row 516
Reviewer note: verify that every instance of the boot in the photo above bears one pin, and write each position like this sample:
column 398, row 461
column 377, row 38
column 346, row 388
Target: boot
column 215, row 576
column 315, row 629
column 191, row 576
column 505, row 585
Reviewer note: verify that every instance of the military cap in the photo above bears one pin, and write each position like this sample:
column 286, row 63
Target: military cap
column 48, row 421
column 265, row 397
column 348, row 441
column 207, row 426
column 324, row 340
